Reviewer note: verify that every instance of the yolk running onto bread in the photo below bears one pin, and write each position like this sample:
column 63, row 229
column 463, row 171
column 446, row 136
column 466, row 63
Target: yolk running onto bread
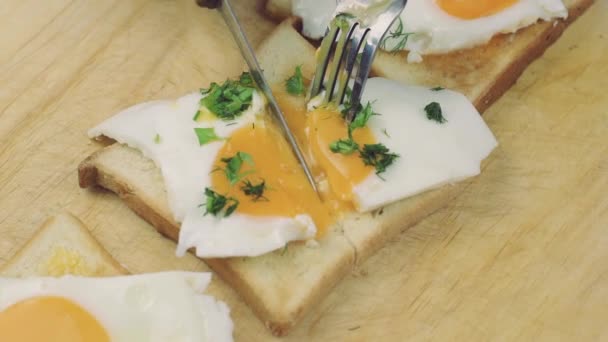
column 287, row 190
column 343, row 172
column 49, row 319
column 337, row 174
column 473, row 9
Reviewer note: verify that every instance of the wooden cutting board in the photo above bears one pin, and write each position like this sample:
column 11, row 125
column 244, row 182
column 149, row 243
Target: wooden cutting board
column 522, row 254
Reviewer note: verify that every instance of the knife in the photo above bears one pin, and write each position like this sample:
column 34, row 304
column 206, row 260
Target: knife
column 257, row 74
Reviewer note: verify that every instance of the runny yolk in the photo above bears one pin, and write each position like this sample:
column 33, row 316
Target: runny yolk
column 473, row 9
column 49, row 319
column 343, row 172
column 287, row 190
column 314, row 131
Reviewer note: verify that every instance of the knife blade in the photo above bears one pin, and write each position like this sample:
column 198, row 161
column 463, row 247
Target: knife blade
column 257, row 74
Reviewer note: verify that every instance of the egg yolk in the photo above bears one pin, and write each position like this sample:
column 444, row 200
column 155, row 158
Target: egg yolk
column 343, row 172
column 473, row 9
column 51, row 319
column 287, row 190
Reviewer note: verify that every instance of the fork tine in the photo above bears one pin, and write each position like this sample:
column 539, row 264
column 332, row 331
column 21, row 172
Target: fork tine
column 323, row 56
column 367, row 56
column 338, row 60
column 358, row 38
column 346, row 36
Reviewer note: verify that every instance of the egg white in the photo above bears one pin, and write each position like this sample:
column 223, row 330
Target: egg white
column 431, row 154
column 433, row 30
column 166, row 306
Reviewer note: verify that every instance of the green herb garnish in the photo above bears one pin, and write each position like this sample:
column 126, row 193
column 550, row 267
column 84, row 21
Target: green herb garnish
column 344, row 146
column 397, row 38
column 361, row 118
column 341, row 20
column 206, row 135
column 157, row 138
column 233, row 167
column 437, row 88
column 348, row 94
column 349, row 145
column 295, row 84
column 196, row 115
column 216, row 203
column 378, row 156
column 256, row 191
column 433, row 112
column 229, row 100
column 246, row 80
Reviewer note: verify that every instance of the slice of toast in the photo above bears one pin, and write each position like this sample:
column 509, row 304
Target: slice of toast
column 63, row 245
column 282, row 286
column 482, row 73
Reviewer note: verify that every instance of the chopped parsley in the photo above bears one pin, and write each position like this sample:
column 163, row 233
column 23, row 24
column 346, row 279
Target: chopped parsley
column 217, row 203
column 433, row 112
column 348, row 94
column 344, row 146
column 437, row 88
column 229, row 100
column 255, row 191
column 246, row 80
column 197, row 115
column 206, row 135
column 395, row 38
column 232, row 170
column 157, row 138
column 295, row 84
column 378, row 156
column 361, row 118
column 341, row 20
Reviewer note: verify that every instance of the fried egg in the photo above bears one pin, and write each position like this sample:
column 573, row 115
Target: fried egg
column 441, row 26
column 164, row 132
column 430, row 154
column 165, row 306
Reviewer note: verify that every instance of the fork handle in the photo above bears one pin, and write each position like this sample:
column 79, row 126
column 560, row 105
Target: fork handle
column 212, row 4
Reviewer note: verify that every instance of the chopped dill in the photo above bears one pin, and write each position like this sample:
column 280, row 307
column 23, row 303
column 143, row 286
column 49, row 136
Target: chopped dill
column 395, row 39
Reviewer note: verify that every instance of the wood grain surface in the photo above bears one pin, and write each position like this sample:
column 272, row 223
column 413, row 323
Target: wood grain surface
column 522, row 254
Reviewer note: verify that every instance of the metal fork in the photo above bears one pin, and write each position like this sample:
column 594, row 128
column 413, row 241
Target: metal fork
column 353, row 35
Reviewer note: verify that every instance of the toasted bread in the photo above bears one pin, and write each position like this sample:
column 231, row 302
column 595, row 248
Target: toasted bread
column 278, row 9
column 63, row 245
column 282, row 286
column 482, row 73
